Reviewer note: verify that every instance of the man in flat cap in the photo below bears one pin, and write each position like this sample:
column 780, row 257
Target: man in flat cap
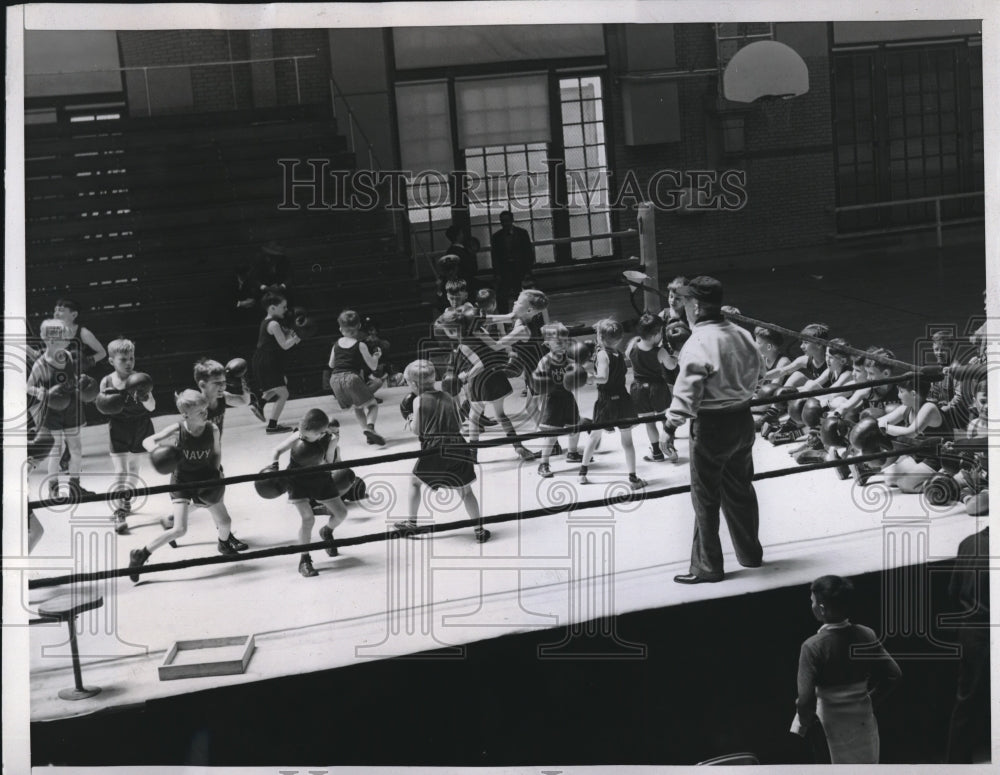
column 719, row 370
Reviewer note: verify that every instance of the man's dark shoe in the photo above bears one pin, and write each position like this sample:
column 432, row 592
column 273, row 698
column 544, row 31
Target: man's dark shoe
column 690, row 578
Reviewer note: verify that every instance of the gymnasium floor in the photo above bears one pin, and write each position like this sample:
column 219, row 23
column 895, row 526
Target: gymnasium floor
column 392, row 598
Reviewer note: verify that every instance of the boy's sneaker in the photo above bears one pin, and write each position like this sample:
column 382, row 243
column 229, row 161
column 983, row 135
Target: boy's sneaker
column 770, row 426
column 121, row 526
column 486, row 422
column 812, row 441
column 225, row 548
column 654, row 457
column 670, row 453
column 326, row 533
column 77, row 490
column 406, row 527
column 582, row 479
column 482, row 535
column 525, row 453
column 256, row 409
column 786, row 435
column 862, row 473
column 636, row 483
column 373, row 438
column 807, row 456
column 574, row 457
column 136, row 559
column 306, row 567
column 278, row 429
column 234, row 543
column 544, row 471
column 843, row 472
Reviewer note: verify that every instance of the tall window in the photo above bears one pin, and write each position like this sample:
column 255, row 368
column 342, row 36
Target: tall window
column 426, row 144
column 515, row 178
column 582, row 111
column 511, row 142
column 908, row 125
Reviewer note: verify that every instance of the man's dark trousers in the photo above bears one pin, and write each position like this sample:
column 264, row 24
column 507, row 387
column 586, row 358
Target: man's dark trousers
column 722, row 476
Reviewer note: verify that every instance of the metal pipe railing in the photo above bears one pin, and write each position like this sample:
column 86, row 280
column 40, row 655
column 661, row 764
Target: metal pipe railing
column 352, row 122
column 144, row 69
column 937, row 224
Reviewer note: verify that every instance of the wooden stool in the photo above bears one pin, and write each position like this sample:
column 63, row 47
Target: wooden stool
column 65, row 608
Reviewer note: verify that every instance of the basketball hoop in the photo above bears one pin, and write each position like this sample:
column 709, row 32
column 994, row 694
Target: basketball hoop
column 766, row 68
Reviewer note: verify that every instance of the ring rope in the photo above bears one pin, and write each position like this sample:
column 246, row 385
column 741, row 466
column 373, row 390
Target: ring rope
column 446, row 526
column 740, row 318
column 849, row 387
column 396, row 456
column 929, row 370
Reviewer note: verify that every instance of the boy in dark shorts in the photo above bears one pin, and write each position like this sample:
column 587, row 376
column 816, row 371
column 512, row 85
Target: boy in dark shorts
column 53, row 384
column 221, row 388
column 199, row 451
column 314, row 444
column 435, row 420
column 348, row 360
column 482, row 361
column 558, row 404
column 273, row 340
column 127, row 428
column 525, row 342
column 650, row 391
column 85, row 348
column 613, row 400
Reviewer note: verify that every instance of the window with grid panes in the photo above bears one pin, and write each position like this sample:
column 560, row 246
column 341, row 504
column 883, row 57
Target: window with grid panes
column 976, row 179
column 515, row 178
column 510, row 176
column 582, row 110
column 899, row 118
column 426, row 146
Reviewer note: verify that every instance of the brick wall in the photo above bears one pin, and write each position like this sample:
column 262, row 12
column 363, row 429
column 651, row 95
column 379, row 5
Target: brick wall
column 227, row 86
column 314, row 74
column 788, row 164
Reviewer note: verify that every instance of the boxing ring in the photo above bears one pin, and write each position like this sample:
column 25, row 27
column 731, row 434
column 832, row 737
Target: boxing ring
column 570, row 565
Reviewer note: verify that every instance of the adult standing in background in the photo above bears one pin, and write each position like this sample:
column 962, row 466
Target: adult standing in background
column 513, row 257
column 718, row 371
column 468, row 266
column 244, row 297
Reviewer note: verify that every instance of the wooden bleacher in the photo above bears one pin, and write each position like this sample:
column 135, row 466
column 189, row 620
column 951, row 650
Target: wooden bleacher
column 144, row 220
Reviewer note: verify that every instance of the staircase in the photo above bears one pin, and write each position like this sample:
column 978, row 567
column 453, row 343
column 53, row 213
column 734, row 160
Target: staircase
column 143, row 221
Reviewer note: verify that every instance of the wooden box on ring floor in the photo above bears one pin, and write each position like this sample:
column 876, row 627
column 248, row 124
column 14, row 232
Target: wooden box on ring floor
column 219, row 656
